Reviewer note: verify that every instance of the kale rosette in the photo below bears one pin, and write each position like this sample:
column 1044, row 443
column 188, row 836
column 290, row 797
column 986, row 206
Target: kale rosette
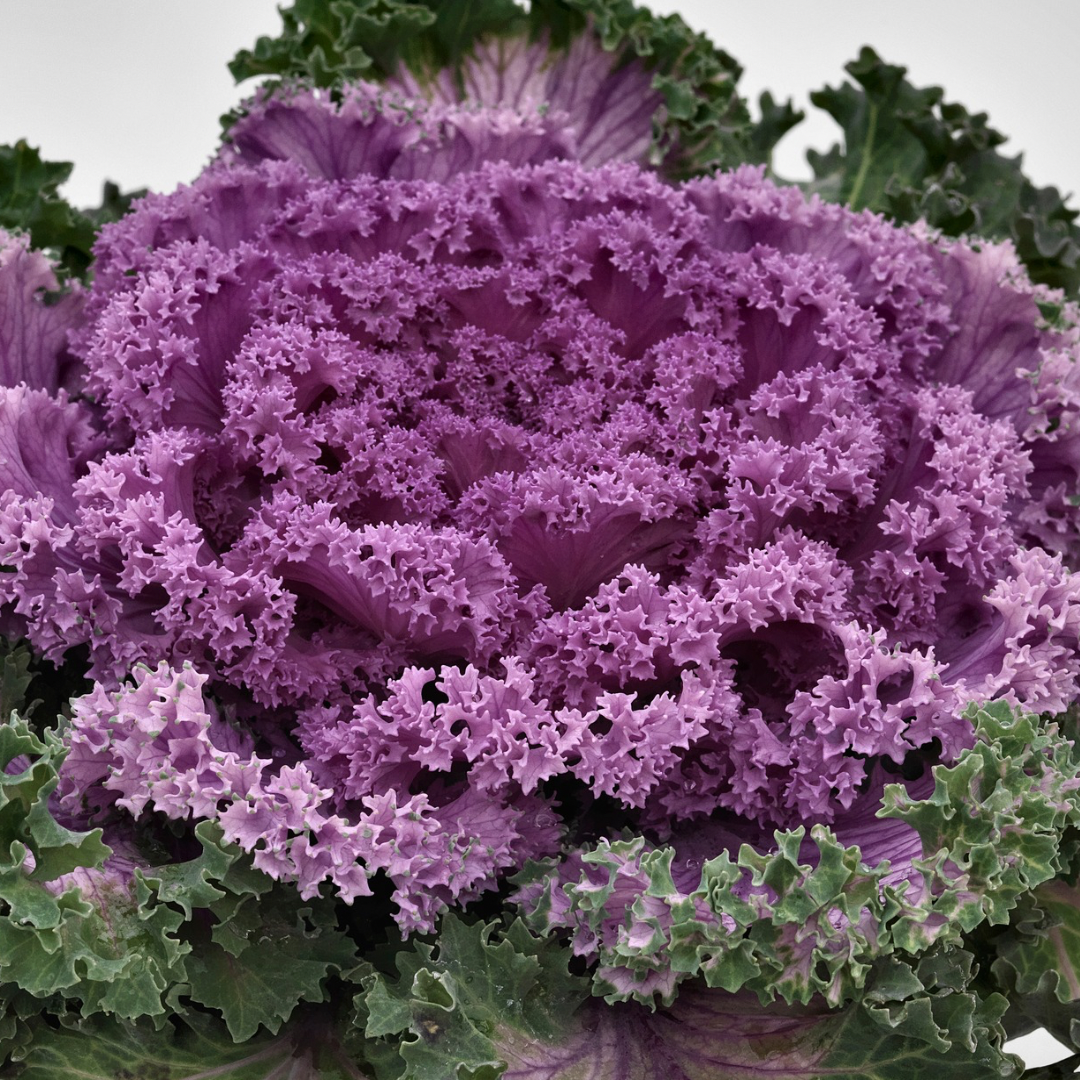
column 445, row 502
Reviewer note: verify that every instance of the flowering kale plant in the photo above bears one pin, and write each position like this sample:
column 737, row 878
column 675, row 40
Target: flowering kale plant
column 510, row 589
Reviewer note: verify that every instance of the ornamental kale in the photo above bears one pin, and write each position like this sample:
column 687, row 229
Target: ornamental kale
column 509, row 578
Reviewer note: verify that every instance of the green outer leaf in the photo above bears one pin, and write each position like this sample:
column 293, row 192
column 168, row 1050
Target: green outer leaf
column 476, row 988
column 15, row 677
column 992, row 829
column 191, row 884
column 226, row 934
column 269, row 964
column 27, row 825
column 1044, row 955
column 909, row 154
column 30, row 201
column 114, row 1050
column 780, row 941
column 267, row 949
column 878, row 147
column 331, row 42
column 89, row 940
column 704, row 123
column 920, row 1019
column 1035, row 962
column 775, row 122
column 994, row 825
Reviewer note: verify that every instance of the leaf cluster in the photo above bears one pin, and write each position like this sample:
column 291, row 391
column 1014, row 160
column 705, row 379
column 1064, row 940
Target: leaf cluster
column 909, row 154
column 90, row 947
column 800, row 924
column 906, row 153
column 207, row 963
column 919, row 1016
column 705, row 123
column 30, row 201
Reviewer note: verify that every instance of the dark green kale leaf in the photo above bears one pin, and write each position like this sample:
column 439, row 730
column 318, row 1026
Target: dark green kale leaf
column 457, row 1004
column 776, row 120
column 30, row 201
column 193, row 1046
column 909, row 154
column 331, row 43
column 115, row 203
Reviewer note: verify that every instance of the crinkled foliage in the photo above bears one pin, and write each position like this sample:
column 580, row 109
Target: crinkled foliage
column 97, row 924
column 31, row 203
column 445, row 505
column 906, row 152
column 914, row 156
column 469, row 483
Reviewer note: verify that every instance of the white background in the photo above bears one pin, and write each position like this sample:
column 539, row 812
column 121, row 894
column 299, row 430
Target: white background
column 130, row 90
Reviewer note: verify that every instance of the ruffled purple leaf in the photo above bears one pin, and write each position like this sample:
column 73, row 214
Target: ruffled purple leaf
column 369, row 132
column 606, row 107
column 159, row 744
column 495, row 495
column 46, row 443
column 514, row 101
column 161, row 346
column 33, row 332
